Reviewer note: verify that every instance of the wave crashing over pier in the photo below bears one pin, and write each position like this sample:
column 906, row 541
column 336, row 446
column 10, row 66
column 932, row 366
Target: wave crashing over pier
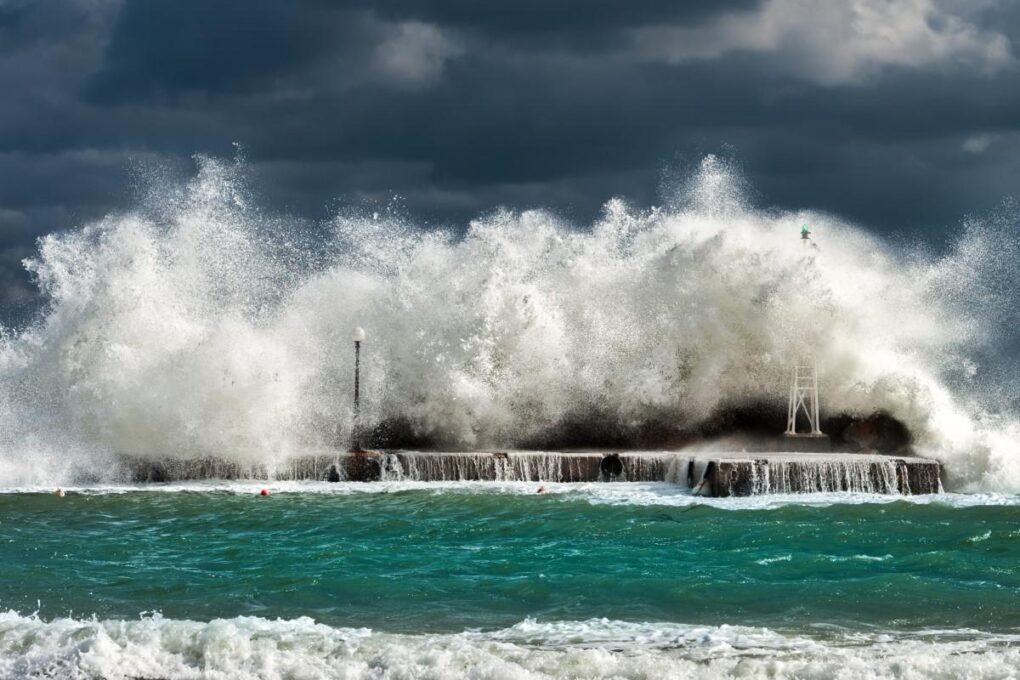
column 197, row 326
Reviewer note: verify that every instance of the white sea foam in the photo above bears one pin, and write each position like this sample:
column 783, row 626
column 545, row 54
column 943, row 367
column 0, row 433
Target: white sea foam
column 246, row 647
column 597, row 493
column 196, row 326
column 862, row 558
column 981, row 537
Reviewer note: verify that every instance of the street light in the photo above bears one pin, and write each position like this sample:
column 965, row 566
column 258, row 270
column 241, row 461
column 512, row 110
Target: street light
column 358, row 334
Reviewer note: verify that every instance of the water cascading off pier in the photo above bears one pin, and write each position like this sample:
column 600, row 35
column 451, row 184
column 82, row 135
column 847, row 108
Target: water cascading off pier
column 709, row 474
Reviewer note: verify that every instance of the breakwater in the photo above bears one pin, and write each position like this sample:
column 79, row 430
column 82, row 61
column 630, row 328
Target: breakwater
column 706, row 473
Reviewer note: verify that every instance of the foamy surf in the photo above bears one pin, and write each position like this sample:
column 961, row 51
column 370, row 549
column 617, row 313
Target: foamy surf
column 597, row 493
column 248, row 647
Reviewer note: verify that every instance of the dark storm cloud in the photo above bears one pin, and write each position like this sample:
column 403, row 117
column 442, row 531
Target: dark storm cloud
column 573, row 24
column 163, row 47
column 458, row 107
column 540, row 16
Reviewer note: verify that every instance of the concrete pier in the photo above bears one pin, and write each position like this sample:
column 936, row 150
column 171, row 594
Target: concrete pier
column 707, row 473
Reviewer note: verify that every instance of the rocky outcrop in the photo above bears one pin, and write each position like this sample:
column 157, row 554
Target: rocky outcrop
column 877, row 432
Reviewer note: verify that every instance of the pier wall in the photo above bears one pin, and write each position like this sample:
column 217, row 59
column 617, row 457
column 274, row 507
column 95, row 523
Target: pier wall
column 706, row 473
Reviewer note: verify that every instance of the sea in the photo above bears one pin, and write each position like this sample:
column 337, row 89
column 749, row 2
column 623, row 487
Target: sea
column 496, row 580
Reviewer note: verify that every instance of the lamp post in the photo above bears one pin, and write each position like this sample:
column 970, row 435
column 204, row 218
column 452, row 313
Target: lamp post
column 358, row 334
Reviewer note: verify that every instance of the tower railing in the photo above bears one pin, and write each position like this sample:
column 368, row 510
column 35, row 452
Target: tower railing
column 804, row 398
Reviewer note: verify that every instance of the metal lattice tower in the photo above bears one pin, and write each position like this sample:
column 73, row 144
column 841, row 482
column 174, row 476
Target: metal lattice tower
column 804, row 386
column 804, row 398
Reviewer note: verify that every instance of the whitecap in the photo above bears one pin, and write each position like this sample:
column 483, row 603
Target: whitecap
column 249, row 647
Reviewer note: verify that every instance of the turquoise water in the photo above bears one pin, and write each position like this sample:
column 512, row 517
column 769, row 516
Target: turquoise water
column 434, row 563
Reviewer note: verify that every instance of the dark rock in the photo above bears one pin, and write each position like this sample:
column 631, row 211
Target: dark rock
column 150, row 472
column 397, row 433
column 363, row 466
column 878, row 432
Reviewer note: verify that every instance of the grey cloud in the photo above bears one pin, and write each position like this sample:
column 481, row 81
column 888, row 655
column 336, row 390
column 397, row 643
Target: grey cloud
column 837, row 43
column 162, row 47
column 415, row 53
column 573, row 23
column 458, row 107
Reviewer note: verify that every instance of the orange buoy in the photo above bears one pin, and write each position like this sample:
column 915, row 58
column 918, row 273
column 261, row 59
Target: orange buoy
column 264, row 492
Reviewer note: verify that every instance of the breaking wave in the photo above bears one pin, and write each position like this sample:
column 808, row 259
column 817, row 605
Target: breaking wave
column 248, row 647
column 198, row 326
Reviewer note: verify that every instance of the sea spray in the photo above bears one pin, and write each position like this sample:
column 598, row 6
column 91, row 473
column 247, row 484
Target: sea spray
column 197, row 326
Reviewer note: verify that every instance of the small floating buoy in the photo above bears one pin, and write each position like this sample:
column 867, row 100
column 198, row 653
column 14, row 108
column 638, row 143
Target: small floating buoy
column 264, row 492
column 59, row 492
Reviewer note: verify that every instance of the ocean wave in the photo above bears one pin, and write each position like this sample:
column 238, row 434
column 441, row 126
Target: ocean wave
column 249, row 647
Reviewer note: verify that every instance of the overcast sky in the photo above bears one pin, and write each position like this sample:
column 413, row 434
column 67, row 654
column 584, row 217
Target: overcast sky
column 902, row 115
